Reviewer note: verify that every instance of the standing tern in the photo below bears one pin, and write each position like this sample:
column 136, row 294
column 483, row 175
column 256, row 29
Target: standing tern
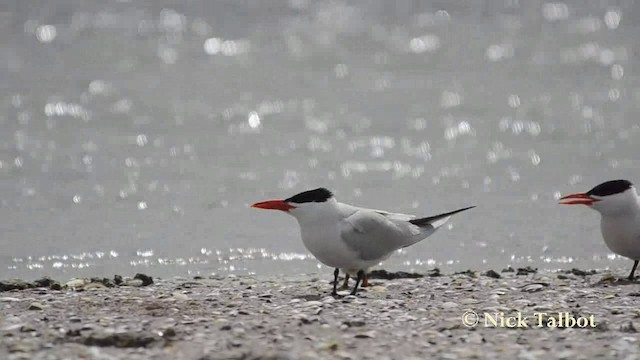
column 618, row 203
column 352, row 238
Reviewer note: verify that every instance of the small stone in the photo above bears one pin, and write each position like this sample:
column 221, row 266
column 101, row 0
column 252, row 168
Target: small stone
column 180, row 296
column 354, row 323
column 103, row 281
column 15, row 284
column 526, row 271
column 43, row 282
column 12, row 319
column 475, row 338
column 628, row 328
column 12, row 327
column 434, row 273
column 331, row 346
column 8, row 299
column 27, row 328
column 132, row 283
column 238, row 331
column 384, row 274
column 565, row 354
column 449, row 305
column 544, row 307
column 55, row 286
column 119, row 340
column 344, row 355
column 310, row 297
column 21, row 347
column 579, row 272
column 366, row 335
column 303, row 319
column 469, row 273
column 94, row 286
column 168, row 332
column 146, row 279
column 521, row 302
column 312, row 303
column 221, row 321
column 607, row 278
column 492, row 274
column 36, row 306
column 602, row 326
column 532, row 288
column 76, row 283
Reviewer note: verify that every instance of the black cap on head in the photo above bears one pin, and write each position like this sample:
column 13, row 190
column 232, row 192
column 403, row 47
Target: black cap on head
column 610, row 188
column 315, row 195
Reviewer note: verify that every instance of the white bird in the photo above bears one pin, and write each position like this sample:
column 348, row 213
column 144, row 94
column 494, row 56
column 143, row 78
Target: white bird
column 352, row 238
column 618, row 203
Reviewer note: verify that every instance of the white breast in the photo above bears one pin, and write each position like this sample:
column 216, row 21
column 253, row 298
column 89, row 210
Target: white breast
column 622, row 235
column 326, row 245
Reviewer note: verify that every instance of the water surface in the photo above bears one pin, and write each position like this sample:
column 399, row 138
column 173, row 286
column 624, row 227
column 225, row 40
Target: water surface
column 134, row 134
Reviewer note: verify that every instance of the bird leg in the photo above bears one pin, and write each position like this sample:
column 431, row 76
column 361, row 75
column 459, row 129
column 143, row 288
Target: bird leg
column 360, row 277
column 335, row 282
column 345, row 284
column 365, row 281
column 633, row 270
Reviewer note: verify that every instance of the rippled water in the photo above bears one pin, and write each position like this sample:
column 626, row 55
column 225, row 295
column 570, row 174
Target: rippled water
column 134, row 134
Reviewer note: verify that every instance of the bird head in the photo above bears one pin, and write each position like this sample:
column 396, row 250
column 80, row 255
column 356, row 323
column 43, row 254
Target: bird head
column 609, row 198
column 305, row 204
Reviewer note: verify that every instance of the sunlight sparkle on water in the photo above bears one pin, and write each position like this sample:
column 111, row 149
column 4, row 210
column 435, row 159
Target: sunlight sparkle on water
column 46, row 33
column 196, row 110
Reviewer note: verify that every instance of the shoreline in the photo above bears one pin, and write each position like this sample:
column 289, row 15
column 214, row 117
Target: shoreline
column 520, row 314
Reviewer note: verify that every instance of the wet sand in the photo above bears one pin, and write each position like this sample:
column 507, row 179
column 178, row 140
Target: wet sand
column 294, row 317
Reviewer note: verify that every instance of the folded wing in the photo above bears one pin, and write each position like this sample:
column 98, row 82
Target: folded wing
column 375, row 234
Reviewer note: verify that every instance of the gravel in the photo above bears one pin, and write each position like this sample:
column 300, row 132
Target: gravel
column 246, row 317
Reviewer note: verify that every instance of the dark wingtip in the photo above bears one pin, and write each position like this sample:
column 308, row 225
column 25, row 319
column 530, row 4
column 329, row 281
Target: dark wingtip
column 430, row 219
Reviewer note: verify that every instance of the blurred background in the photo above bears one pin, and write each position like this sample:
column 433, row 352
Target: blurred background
column 135, row 133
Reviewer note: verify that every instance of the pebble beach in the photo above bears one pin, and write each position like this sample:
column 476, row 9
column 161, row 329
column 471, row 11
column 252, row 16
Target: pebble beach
column 509, row 314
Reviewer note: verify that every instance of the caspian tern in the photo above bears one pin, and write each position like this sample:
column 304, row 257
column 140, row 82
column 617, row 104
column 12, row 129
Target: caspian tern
column 352, row 238
column 618, row 203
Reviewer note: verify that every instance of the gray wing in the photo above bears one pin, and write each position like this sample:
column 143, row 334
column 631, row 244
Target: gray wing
column 394, row 216
column 375, row 234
